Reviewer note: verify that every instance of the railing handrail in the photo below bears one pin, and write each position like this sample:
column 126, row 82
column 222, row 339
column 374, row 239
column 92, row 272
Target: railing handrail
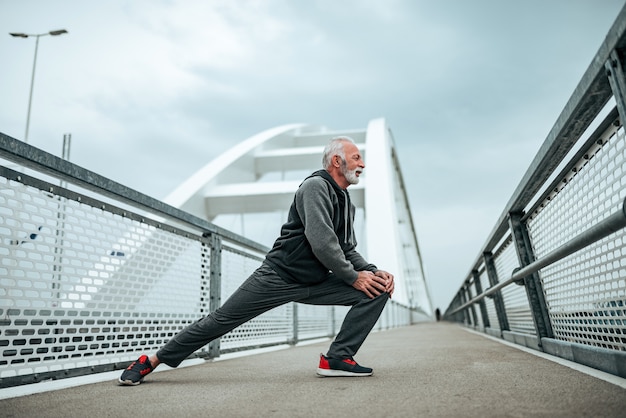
column 590, row 96
column 34, row 158
column 604, row 228
column 121, row 270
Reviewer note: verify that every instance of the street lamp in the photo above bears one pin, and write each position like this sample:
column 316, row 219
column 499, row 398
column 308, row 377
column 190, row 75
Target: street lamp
column 32, row 78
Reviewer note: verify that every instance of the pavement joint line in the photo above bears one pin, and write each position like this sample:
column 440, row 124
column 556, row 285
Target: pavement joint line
column 598, row 374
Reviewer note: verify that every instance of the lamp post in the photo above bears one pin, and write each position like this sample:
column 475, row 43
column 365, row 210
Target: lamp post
column 32, row 78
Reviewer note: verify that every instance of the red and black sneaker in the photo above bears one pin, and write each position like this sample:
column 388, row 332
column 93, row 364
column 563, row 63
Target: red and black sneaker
column 134, row 374
column 347, row 367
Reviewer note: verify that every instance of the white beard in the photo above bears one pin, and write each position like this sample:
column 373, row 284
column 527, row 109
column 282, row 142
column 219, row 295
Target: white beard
column 350, row 175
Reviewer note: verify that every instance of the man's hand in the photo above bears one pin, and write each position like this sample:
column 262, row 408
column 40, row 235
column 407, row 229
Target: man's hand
column 373, row 284
column 389, row 288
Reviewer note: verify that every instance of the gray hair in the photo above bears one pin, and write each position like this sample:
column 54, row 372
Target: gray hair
column 335, row 147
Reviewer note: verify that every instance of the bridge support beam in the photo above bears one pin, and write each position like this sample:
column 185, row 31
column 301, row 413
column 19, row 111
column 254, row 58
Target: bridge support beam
column 215, row 286
column 615, row 72
column 492, row 274
column 481, row 304
column 534, row 289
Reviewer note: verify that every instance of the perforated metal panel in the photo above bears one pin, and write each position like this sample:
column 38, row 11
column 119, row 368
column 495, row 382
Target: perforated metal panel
column 81, row 286
column 586, row 292
column 273, row 327
column 393, row 315
column 315, row 321
column 86, row 286
column 489, row 304
column 514, row 296
column 478, row 318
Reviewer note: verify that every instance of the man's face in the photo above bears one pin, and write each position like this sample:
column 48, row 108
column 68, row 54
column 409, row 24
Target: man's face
column 353, row 165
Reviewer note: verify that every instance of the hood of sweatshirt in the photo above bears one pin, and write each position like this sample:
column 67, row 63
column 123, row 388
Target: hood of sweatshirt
column 345, row 206
column 292, row 256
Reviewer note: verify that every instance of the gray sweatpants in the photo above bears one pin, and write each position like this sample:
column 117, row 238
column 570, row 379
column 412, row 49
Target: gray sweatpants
column 265, row 290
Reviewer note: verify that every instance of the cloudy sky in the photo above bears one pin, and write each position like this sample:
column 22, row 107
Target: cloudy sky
column 153, row 90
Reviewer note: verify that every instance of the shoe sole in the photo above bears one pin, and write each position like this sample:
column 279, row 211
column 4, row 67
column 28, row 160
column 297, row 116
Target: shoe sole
column 340, row 373
column 128, row 382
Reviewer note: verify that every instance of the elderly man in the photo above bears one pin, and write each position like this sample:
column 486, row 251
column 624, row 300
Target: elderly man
column 313, row 261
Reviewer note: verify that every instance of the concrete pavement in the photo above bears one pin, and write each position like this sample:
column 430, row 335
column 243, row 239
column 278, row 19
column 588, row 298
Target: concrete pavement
column 426, row 370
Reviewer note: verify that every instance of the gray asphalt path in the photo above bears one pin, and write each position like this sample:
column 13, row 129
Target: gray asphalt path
column 426, row 370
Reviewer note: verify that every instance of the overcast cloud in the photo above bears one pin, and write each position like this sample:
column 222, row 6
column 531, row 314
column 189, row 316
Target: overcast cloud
column 153, row 90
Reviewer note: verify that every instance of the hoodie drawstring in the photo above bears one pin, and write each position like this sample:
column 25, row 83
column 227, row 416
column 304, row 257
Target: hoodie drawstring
column 347, row 220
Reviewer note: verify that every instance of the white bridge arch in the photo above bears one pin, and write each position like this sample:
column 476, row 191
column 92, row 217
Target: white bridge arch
column 249, row 189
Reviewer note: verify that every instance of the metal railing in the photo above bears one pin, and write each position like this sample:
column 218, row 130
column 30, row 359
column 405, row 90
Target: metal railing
column 552, row 274
column 93, row 273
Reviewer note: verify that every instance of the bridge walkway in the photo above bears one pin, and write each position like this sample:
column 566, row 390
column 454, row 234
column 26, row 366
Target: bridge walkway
column 425, row 370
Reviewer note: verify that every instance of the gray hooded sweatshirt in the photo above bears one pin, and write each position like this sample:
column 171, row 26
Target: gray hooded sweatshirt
column 318, row 237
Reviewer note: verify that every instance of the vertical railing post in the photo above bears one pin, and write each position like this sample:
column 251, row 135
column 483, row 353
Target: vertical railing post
column 461, row 298
column 498, row 301
column 458, row 301
column 215, row 285
column 294, row 332
column 534, row 289
column 467, row 296
column 483, row 306
column 615, row 72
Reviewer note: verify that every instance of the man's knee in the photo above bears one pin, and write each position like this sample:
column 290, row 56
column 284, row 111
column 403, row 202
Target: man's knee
column 383, row 296
column 377, row 300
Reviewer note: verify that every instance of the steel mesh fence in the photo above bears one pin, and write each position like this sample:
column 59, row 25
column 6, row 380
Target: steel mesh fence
column 85, row 286
column 515, row 299
column 489, row 304
column 566, row 221
column 82, row 287
column 586, row 292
